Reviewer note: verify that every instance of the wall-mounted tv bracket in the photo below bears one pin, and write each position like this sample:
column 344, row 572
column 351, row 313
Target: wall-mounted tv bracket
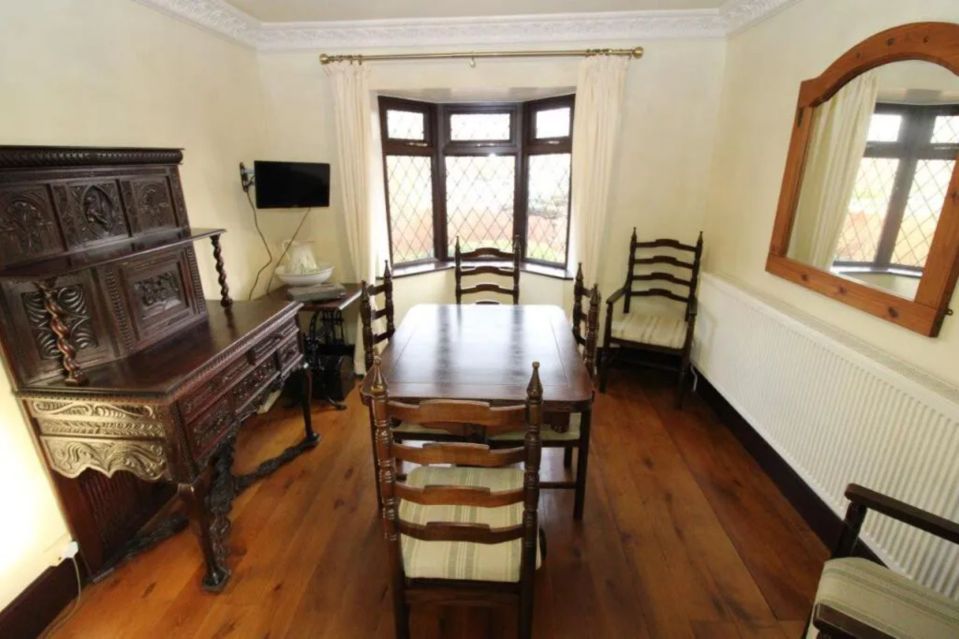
column 247, row 178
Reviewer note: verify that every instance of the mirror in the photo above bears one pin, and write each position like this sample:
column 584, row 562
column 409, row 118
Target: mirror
column 881, row 155
column 870, row 199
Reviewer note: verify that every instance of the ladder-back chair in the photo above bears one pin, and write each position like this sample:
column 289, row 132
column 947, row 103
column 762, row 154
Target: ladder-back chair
column 669, row 333
column 574, row 434
column 369, row 315
column 467, row 532
column 488, row 254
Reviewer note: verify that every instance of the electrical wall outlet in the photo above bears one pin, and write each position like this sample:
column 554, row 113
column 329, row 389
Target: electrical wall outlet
column 69, row 551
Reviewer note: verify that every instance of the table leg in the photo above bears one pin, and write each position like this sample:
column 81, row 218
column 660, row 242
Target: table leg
column 209, row 499
column 581, row 458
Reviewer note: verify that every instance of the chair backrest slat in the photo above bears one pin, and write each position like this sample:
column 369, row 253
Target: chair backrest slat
column 368, row 315
column 488, row 253
column 384, row 413
column 658, row 292
column 638, row 257
column 458, row 453
column 447, row 531
column 455, row 413
column 662, row 277
column 663, row 259
column 665, row 243
column 459, row 496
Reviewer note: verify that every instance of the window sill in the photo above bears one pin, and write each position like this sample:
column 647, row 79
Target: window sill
column 879, row 270
column 553, row 272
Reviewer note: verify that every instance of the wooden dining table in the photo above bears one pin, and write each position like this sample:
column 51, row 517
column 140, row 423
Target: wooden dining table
column 485, row 352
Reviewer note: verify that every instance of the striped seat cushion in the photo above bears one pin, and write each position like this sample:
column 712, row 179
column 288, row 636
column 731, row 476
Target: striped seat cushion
column 546, row 433
column 659, row 330
column 457, row 559
column 885, row 600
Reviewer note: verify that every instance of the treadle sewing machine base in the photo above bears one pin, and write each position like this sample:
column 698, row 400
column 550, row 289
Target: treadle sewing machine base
column 329, row 356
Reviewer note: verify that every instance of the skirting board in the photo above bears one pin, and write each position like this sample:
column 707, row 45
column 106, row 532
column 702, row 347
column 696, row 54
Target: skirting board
column 33, row 610
column 817, row 514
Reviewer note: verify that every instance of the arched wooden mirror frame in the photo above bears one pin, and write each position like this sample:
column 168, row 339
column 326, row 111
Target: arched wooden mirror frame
column 936, row 42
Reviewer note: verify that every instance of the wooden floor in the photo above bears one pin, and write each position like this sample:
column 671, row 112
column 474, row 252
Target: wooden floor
column 684, row 536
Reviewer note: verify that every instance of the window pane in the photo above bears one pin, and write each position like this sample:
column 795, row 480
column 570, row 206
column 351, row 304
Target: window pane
column 479, row 126
column 946, row 130
column 548, row 207
column 409, row 185
column 926, row 197
column 884, row 127
column 859, row 239
column 552, row 123
column 405, row 125
column 479, row 201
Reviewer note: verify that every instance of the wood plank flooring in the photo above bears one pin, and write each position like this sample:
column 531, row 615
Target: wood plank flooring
column 684, row 536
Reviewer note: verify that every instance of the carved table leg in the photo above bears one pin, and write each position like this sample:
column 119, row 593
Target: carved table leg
column 75, row 374
column 210, row 499
column 225, row 300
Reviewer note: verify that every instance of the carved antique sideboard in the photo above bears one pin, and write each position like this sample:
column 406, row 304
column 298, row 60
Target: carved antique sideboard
column 132, row 382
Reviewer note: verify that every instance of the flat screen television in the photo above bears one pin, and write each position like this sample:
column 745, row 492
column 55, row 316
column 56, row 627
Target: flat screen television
column 283, row 185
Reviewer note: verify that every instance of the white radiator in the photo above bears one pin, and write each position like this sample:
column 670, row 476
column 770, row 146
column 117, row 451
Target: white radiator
column 839, row 411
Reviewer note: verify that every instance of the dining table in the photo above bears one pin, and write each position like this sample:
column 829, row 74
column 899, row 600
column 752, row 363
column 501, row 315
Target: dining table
column 485, row 352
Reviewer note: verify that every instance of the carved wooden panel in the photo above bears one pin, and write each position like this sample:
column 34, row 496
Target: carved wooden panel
column 206, row 431
column 251, row 385
column 266, row 346
column 96, row 418
column 28, row 224
column 158, row 294
column 25, row 326
column 218, row 383
column 289, row 352
column 70, row 457
column 78, row 318
column 91, row 212
column 150, row 203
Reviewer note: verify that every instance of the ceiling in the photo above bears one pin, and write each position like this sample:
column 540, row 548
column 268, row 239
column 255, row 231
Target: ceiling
column 326, row 10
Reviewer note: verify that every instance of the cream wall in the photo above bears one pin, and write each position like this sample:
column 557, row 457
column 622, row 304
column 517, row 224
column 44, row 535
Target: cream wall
column 764, row 67
column 113, row 72
column 660, row 182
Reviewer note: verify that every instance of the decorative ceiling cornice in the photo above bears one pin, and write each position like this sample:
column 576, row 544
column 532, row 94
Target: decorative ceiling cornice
column 223, row 18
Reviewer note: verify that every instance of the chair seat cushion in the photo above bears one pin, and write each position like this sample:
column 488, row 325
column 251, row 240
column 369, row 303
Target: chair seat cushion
column 546, row 433
column 658, row 330
column 885, row 600
column 457, row 559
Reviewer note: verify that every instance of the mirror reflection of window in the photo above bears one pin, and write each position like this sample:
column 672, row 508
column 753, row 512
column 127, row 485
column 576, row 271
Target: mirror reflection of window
column 898, row 193
column 876, row 178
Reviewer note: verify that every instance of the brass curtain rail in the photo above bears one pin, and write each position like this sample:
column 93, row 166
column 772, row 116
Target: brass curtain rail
column 325, row 58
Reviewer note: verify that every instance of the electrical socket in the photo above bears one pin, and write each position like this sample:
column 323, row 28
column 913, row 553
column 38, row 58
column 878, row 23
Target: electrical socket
column 246, row 178
column 70, row 550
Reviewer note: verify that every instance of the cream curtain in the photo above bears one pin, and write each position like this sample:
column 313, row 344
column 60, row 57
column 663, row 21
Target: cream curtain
column 837, row 143
column 359, row 187
column 599, row 104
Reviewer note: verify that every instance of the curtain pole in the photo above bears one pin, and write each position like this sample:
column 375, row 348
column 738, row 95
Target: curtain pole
column 325, row 58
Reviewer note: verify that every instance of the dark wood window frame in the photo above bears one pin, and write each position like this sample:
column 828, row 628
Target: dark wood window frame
column 912, row 145
column 437, row 144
